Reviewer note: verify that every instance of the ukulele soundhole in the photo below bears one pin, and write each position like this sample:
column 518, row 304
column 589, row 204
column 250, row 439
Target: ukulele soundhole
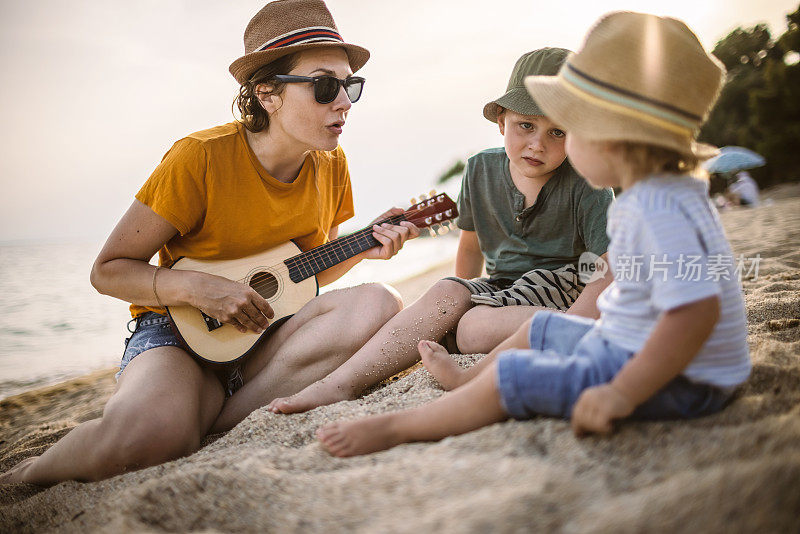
column 265, row 284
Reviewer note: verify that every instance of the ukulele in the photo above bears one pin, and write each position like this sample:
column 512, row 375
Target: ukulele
column 286, row 277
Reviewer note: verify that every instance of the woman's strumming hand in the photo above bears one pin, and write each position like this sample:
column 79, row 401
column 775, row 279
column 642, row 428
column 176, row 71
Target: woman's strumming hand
column 232, row 303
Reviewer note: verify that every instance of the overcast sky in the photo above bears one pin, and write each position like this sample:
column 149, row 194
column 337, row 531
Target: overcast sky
column 94, row 92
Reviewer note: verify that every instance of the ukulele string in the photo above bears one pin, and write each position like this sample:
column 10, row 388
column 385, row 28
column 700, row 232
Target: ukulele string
column 318, row 254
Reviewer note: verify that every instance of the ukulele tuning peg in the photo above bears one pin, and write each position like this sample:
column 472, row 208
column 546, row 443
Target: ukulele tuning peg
column 432, row 232
column 422, row 197
column 432, row 193
column 413, row 200
column 443, row 229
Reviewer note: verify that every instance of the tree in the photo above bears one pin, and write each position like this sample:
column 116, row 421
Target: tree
column 743, row 47
column 759, row 106
column 776, row 108
column 742, row 52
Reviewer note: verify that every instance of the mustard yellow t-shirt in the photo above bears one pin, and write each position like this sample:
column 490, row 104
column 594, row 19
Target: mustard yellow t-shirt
column 225, row 205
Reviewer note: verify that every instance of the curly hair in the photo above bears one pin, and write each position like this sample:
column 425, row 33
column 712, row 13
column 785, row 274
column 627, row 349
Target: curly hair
column 254, row 117
column 647, row 159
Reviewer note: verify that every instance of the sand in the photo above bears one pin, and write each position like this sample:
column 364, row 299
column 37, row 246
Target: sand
column 738, row 470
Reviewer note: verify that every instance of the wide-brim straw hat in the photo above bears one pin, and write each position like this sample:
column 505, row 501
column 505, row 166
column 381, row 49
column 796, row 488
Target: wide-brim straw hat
column 639, row 78
column 544, row 62
column 287, row 26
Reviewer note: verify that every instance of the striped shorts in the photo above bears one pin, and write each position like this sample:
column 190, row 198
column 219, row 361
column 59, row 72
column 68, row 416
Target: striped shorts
column 556, row 289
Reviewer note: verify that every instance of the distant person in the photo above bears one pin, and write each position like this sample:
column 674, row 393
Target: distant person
column 745, row 188
column 225, row 193
column 527, row 216
column 666, row 345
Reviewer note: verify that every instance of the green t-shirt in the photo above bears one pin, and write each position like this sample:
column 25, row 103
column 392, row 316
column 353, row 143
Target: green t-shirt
column 567, row 219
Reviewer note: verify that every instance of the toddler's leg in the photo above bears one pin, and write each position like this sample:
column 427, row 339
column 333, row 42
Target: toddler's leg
column 438, row 362
column 469, row 407
column 450, row 375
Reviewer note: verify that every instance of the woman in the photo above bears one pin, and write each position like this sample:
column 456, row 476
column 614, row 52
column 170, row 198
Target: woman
column 223, row 193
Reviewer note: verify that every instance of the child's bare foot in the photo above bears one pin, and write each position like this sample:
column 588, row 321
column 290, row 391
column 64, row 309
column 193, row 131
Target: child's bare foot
column 438, row 362
column 16, row 473
column 320, row 393
column 363, row 436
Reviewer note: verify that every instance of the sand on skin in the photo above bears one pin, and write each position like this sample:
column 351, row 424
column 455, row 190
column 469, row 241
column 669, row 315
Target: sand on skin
column 738, row 470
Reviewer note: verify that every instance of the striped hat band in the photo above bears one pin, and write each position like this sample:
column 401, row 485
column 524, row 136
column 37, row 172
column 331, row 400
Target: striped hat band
column 624, row 101
column 314, row 34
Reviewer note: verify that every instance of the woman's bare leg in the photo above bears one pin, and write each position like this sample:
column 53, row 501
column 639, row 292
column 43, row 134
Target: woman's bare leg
column 472, row 406
column 392, row 349
column 315, row 341
column 163, row 406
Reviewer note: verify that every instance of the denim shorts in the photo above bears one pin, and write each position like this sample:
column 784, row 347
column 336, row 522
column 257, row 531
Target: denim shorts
column 153, row 330
column 568, row 355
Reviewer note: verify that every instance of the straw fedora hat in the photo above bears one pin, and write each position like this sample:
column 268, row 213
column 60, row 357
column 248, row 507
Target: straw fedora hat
column 638, row 77
column 287, row 26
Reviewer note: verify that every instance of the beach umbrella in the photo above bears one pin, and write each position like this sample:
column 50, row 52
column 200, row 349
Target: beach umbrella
column 732, row 159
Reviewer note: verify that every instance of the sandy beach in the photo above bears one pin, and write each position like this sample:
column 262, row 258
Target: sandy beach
column 737, row 471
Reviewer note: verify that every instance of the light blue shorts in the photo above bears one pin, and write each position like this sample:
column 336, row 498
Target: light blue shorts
column 568, row 355
column 153, row 330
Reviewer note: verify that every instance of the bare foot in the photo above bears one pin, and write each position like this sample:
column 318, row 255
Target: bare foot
column 320, row 393
column 438, row 362
column 16, row 473
column 362, row 436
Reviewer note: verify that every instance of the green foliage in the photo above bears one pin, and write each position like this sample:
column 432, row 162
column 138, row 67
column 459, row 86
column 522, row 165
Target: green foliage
column 743, row 47
column 455, row 170
column 791, row 39
column 759, row 106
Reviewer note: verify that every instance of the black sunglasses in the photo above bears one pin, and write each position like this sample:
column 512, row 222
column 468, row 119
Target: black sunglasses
column 326, row 88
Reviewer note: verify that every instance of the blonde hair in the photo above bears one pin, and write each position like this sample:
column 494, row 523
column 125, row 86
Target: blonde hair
column 645, row 159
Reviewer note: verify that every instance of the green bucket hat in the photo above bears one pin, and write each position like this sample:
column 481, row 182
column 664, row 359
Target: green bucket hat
column 542, row 62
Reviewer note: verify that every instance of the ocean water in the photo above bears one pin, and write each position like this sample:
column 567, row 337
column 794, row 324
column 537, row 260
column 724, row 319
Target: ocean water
column 54, row 325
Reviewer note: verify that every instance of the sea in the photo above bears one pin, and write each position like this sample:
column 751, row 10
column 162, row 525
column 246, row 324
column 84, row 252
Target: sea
column 54, row 325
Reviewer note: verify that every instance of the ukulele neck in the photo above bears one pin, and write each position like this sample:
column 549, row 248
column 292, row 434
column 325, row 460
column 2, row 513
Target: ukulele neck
column 318, row 259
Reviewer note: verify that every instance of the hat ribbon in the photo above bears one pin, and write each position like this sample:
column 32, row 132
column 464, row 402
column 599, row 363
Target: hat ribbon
column 614, row 98
column 312, row 34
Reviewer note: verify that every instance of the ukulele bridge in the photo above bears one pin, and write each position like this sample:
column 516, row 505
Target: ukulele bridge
column 211, row 323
